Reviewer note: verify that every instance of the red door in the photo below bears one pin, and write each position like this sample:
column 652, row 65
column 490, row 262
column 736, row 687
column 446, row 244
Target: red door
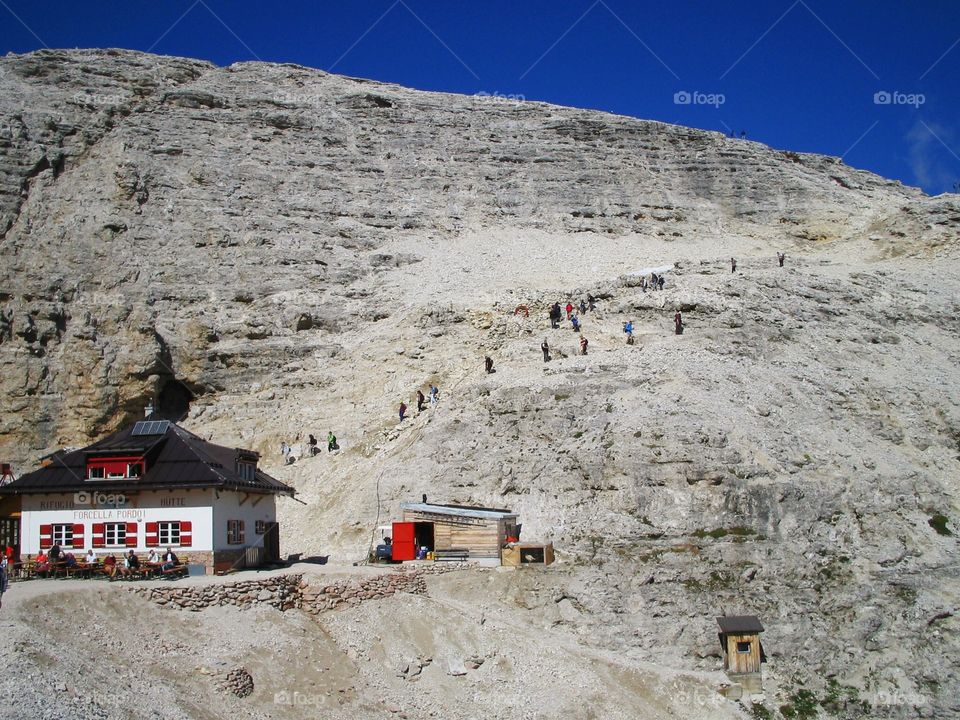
column 404, row 544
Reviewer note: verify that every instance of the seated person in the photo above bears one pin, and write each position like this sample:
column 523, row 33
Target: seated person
column 42, row 563
column 170, row 560
column 131, row 564
column 110, row 565
column 153, row 558
column 91, row 557
column 70, row 560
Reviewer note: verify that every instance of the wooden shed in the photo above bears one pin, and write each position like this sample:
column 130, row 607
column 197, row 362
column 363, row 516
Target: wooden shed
column 474, row 533
column 742, row 650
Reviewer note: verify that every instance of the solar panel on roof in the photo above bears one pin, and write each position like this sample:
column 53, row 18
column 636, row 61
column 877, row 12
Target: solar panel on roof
column 151, row 427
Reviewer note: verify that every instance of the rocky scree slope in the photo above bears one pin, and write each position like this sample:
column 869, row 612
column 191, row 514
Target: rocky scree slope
column 293, row 251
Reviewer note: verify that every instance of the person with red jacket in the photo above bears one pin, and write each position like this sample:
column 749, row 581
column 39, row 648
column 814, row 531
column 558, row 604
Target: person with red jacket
column 569, row 309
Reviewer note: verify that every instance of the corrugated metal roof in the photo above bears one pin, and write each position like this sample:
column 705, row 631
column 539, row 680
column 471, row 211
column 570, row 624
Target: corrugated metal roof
column 740, row 624
column 458, row 510
column 176, row 459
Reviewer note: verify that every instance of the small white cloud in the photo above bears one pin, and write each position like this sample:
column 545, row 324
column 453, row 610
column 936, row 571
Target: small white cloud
column 932, row 159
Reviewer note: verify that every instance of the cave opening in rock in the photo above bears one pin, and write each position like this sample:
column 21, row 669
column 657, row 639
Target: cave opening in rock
column 173, row 400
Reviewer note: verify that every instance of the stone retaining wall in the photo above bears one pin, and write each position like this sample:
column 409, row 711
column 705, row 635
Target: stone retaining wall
column 280, row 591
column 286, row 592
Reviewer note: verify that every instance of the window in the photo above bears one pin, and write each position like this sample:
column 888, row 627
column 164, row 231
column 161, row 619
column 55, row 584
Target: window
column 247, row 471
column 260, row 527
column 63, row 535
column 115, row 534
column 168, row 533
column 96, row 473
column 235, row 532
column 743, row 647
column 134, row 470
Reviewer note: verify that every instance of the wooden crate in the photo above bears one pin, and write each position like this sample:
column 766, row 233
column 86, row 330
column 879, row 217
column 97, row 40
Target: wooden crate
column 527, row 554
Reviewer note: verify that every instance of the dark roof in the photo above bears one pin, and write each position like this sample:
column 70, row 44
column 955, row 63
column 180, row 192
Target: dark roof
column 735, row 624
column 176, row 459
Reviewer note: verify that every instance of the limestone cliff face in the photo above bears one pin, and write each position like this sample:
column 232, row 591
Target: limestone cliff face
column 293, row 252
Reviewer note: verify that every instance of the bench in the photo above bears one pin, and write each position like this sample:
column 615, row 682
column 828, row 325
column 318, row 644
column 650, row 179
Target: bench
column 451, row 555
column 174, row 572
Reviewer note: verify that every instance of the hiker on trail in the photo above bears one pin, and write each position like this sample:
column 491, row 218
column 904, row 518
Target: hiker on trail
column 331, row 441
column 660, row 282
column 583, row 308
column 628, row 329
column 488, row 364
column 575, row 321
column 420, row 400
column 780, row 258
column 312, row 442
column 403, row 411
column 555, row 314
column 434, row 395
column 569, row 309
column 678, row 323
column 583, row 345
column 654, row 281
column 733, row 265
column 591, row 303
column 285, row 450
column 546, row 350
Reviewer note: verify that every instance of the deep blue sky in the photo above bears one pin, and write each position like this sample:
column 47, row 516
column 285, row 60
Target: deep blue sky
column 795, row 74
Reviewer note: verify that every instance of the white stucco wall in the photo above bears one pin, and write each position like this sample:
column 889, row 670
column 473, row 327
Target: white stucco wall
column 194, row 506
column 241, row 506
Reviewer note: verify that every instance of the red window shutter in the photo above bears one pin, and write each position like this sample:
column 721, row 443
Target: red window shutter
column 46, row 536
column 98, row 535
column 131, row 534
column 152, row 534
column 186, row 533
column 78, row 536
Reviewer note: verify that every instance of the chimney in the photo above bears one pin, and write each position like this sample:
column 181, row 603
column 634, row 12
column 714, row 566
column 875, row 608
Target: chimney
column 148, row 411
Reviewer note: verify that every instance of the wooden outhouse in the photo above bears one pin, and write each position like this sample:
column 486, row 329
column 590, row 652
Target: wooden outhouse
column 457, row 531
column 742, row 650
